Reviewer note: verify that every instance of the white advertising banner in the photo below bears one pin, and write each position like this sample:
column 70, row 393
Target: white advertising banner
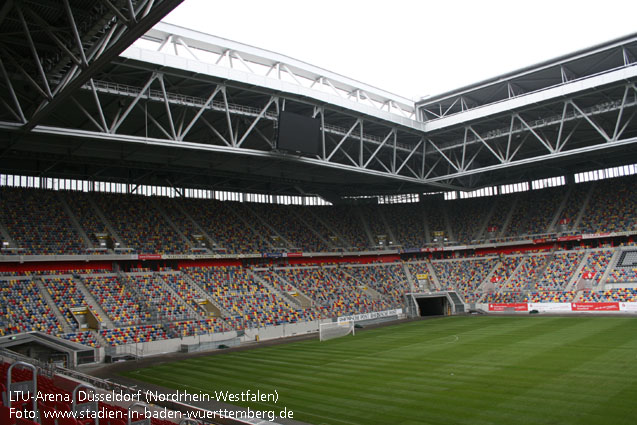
column 550, row 307
column 628, row 307
column 370, row 316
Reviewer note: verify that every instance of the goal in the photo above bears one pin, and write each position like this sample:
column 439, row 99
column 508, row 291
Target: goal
column 335, row 330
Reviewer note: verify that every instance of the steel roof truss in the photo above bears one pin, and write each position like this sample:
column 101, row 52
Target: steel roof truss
column 591, row 122
column 498, row 156
column 443, row 154
column 340, row 143
column 233, row 141
column 546, row 144
column 88, row 115
column 273, row 99
column 215, row 131
column 119, row 120
column 173, row 134
column 392, row 133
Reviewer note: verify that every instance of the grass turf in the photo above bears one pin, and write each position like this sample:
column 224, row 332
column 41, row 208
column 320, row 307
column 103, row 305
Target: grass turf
column 456, row 370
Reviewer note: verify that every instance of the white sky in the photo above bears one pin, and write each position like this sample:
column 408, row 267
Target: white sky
column 409, row 47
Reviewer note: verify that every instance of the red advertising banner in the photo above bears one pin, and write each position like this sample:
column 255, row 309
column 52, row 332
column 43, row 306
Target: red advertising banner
column 569, row 238
column 431, row 249
column 149, row 256
column 595, row 306
column 508, row 307
column 294, row 254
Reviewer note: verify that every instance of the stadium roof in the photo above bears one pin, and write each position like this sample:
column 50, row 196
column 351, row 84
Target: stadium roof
column 187, row 109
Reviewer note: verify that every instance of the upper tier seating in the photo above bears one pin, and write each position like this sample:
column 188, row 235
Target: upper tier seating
column 139, row 224
column 467, row 216
column 221, row 220
column 36, row 220
column 85, row 214
column 612, row 206
column 290, row 226
column 407, row 222
column 39, row 224
column 534, row 211
column 345, row 223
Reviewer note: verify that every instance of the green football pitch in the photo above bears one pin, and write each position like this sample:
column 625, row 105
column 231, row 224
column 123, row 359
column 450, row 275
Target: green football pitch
column 455, row 370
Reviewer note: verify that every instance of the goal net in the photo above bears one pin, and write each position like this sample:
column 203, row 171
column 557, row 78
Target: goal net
column 335, row 330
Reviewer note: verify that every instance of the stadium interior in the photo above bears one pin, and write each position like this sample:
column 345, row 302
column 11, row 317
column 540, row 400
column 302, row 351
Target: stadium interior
column 146, row 207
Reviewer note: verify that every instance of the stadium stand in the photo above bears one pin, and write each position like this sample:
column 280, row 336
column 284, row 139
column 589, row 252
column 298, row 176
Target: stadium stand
column 388, row 280
column 66, row 296
column 502, row 297
column 550, row 297
column 505, row 269
column 183, row 288
column 86, row 338
column 407, row 222
column 534, row 212
column 288, row 225
column 250, row 303
column 117, row 301
column 527, row 273
column 436, row 220
column 24, row 309
column 559, row 271
column 334, row 292
column 161, row 302
column 615, row 294
column 53, row 398
column 197, row 327
column 221, row 221
column 140, row 225
column 464, row 276
column 133, row 334
column 156, row 226
column 466, row 217
column 38, row 223
column 596, row 264
column 86, row 216
column 345, row 223
column 612, row 207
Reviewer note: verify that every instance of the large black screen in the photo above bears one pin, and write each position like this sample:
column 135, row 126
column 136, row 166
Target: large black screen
column 298, row 133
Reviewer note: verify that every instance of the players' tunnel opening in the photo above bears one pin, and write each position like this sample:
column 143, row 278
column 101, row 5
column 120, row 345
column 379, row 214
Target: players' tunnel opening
column 433, row 306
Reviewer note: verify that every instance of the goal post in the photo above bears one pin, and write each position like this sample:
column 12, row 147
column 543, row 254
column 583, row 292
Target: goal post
column 335, row 330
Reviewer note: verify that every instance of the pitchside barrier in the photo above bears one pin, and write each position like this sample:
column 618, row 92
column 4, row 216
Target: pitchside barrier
column 599, row 307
